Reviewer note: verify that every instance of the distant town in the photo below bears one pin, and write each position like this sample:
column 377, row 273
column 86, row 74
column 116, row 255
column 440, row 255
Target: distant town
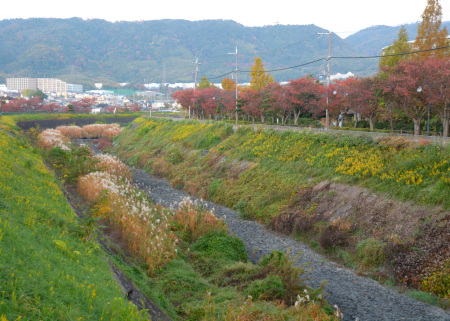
column 153, row 96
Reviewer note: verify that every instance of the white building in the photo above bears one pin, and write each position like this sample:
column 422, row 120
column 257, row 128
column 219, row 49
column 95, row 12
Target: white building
column 47, row 85
column 73, row 88
column 20, row 84
column 51, row 85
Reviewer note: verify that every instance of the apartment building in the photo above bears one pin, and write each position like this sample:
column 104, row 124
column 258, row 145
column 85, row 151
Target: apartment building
column 20, row 84
column 46, row 85
column 51, row 85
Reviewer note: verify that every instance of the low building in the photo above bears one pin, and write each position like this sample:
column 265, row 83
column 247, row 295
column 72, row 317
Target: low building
column 74, row 88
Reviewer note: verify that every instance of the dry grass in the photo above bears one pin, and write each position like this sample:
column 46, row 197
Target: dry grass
column 196, row 220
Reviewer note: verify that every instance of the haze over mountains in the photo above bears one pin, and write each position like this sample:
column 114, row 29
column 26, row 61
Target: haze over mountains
column 88, row 51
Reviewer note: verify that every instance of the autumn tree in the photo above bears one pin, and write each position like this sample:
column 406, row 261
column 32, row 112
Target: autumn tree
column 337, row 101
column 436, row 88
column 429, row 33
column 253, row 103
column 400, row 45
column 228, row 84
column 304, row 96
column 134, row 107
column 186, row 98
column 258, row 75
column 54, row 107
column 402, row 84
column 226, row 102
column 83, row 105
column 277, row 97
column 372, row 99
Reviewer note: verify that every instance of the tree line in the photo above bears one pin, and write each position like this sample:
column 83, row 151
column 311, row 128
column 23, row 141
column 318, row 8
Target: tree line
column 406, row 86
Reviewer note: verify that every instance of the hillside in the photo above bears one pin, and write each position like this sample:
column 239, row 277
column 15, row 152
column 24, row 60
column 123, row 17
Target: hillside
column 84, row 51
column 371, row 40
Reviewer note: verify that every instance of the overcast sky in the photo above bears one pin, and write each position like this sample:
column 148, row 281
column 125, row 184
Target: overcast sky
column 343, row 17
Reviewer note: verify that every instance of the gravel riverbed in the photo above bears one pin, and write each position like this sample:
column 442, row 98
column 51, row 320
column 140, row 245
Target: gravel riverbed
column 358, row 297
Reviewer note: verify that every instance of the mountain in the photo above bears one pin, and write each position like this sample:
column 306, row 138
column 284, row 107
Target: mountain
column 88, row 51
column 371, row 40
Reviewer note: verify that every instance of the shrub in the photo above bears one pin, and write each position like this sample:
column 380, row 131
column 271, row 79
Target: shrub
column 236, row 274
column 174, row 156
column 269, row 288
column 280, row 264
column 371, row 252
column 104, row 143
column 221, row 245
column 439, row 281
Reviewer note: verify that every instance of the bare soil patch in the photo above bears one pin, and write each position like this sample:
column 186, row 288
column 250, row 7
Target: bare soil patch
column 417, row 237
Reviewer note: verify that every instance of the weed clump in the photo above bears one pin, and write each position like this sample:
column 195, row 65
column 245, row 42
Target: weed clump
column 270, row 288
column 222, row 245
column 371, row 252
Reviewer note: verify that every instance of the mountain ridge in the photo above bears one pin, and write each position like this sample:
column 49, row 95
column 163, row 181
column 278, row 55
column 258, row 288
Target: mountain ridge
column 96, row 50
column 370, row 41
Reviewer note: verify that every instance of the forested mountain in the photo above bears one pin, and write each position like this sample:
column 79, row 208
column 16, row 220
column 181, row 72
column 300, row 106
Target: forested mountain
column 371, row 40
column 88, row 51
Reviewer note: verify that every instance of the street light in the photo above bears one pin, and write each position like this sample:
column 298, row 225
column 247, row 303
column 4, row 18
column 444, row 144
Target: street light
column 419, row 90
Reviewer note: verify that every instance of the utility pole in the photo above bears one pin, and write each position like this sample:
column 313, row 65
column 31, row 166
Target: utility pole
column 236, row 53
column 196, row 63
column 328, row 75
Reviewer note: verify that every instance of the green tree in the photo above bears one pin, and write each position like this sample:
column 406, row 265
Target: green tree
column 429, row 35
column 259, row 77
column 34, row 93
column 400, row 45
column 204, row 83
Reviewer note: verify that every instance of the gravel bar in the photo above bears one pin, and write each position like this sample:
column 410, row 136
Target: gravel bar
column 359, row 298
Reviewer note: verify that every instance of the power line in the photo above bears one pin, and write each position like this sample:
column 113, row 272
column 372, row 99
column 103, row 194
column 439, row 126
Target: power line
column 391, row 55
column 286, row 68
column 221, row 75
column 326, row 59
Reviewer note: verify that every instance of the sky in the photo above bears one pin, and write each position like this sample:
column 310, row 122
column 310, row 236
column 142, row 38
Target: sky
column 343, row 17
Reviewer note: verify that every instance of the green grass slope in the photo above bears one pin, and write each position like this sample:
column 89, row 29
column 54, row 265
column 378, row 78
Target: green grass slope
column 257, row 173
column 47, row 270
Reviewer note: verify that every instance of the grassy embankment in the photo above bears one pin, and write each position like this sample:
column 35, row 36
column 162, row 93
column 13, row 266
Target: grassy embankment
column 263, row 174
column 48, row 269
column 183, row 260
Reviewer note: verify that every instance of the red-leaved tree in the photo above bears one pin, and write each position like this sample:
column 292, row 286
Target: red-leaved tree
column 304, row 95
column 83, row 105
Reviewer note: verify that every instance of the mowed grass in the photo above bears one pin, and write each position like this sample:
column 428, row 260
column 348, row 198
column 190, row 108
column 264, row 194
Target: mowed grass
column 257, row 173
column 47, row 270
